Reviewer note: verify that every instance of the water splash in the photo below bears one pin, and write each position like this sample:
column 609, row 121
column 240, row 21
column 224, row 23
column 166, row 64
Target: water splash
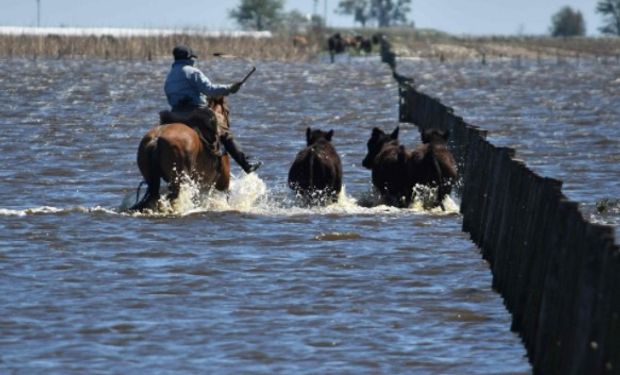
column 248, row 193
column 47, row 210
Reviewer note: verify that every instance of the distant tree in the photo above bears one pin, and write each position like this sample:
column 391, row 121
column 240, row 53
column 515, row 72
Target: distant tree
column 317, row 22
column 568, row 22
column 258, row 14
column 610, row 9
column 385, row 12
column 360, row 9
column 390, row 12
column 295, row 22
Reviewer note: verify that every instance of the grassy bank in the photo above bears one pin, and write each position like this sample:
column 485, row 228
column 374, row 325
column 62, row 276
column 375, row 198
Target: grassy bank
column 406, row 43
column 436, row 45
column 151, row 47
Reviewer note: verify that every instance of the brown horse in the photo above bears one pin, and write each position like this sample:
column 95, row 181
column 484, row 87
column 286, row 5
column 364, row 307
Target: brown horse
column 175, row 150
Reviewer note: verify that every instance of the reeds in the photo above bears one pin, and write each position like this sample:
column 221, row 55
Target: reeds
column 432, row 45
column 406, row 42
column 279, row 47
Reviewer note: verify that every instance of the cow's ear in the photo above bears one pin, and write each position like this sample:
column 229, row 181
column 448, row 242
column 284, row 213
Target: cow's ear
column 394, row 134
column 308, row 132
column 329, row 135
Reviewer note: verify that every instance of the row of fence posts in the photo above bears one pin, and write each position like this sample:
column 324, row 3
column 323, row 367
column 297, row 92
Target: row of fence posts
column 558, row 273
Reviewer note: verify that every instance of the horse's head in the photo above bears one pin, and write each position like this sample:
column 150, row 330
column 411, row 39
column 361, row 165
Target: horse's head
column 313, row 136
column 435, row 136
column 218, row 104
column 378, row 139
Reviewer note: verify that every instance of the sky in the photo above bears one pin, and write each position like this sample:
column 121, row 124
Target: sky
column 460, row 17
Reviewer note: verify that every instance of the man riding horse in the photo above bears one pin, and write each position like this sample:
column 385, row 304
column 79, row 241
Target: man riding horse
column 187, row 89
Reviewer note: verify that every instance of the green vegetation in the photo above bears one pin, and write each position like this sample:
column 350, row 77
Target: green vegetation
column 610, row 9
column 258, row 14
column 386, row 12
column 568, row 22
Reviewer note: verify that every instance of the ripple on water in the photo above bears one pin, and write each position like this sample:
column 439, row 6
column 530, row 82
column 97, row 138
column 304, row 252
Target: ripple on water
column 249, row 282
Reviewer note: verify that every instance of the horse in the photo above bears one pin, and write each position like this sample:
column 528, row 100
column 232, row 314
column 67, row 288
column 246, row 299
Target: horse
column 316, row 172
column 396, row 170
column 184, row 147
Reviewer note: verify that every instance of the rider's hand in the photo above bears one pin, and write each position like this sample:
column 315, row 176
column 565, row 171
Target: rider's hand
column 235, row 87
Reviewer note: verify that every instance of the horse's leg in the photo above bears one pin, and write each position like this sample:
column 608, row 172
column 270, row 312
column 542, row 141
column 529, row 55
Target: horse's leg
column 223, row 181
column 152, row 193
column 150, row 197
column 147, row 163
column 443, row 190
column 174, row 185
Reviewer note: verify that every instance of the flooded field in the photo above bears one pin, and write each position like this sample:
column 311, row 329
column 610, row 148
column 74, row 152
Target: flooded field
column 255, row 283
column 562, row 117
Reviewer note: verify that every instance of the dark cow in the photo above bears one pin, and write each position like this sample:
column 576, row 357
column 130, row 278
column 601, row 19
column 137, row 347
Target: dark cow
column 376, row 38
column 363, row 44
column 336, row 44
column 316, row 173
column 395, row 170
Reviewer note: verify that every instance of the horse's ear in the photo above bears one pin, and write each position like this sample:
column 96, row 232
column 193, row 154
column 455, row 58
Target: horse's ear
column 376, row 132
column 394, row 134
column 308, row 133
column 329, row 135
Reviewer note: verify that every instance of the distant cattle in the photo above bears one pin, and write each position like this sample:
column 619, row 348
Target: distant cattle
column 376, row 38
column 338, row 43
column 316, row 172
column 300, row 41
column 335, row 44
column 396, row 170
column 363, row 44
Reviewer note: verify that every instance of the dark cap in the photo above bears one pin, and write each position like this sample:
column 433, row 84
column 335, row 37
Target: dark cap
column 182, row 52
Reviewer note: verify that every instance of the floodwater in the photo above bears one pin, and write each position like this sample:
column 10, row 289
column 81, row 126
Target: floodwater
column 562, row 117
column 249, row 283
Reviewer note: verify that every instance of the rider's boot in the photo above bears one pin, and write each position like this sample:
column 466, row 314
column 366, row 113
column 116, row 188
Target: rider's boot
column 235, row 151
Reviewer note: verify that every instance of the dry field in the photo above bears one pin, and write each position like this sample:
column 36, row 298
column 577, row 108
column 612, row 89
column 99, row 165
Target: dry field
column 405, row 42
column 279, row 47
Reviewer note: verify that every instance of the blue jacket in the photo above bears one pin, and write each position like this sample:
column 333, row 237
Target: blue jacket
column 188, row 86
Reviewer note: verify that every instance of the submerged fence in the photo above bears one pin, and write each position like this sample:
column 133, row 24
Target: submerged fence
column 559, row 274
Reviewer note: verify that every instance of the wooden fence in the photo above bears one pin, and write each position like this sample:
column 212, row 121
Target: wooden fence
column 559, row 274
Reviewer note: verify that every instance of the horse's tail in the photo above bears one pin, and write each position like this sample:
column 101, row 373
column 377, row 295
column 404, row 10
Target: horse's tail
column 152, row 180
column 138, row 190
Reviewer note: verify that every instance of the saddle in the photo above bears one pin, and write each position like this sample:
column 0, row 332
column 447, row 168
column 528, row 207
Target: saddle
column 203, row 120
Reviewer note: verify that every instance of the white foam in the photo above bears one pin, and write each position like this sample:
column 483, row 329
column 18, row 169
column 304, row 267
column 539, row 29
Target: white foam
column 46, row 210
column 248, row 193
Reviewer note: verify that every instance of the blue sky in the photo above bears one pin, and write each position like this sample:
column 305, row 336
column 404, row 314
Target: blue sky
column 475, row 17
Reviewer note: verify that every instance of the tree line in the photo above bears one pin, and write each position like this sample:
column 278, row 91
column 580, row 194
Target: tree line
column 269, row 15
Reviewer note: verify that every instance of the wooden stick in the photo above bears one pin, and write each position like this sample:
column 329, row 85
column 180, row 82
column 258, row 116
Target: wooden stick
column 248, row 75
